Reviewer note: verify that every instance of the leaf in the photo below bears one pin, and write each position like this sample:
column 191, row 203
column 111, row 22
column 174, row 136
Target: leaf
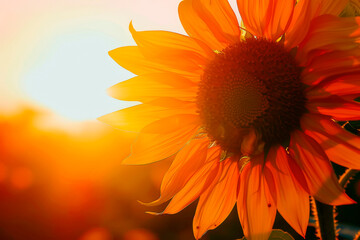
column 278, row 234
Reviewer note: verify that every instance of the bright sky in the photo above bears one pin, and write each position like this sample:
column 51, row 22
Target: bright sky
column 55, row 52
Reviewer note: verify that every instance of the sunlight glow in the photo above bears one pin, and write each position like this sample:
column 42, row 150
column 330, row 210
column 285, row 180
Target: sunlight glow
column 73, row 77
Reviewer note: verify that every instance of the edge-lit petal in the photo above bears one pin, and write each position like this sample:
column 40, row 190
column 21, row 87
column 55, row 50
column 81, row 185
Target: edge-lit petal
column 256, row 206
column 305, row 11
column 345, row 86
column 322, row 181
column 137, row 117
column 341, row 146
column 266, row 18
column 336, row 107
column 216, row 203
column 329, row 33
column 147, row 87
column 162, row 139
column 207, row 176
column 211, row 21
column 292, row 200
column 331, row 64
column 186, row 163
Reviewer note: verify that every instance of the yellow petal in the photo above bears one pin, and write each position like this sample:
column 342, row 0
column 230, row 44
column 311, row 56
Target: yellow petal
column 186, row 163
column 136, row 117
column 154, row 85
column 169, row 40
column 162, row 139
column 197, row 184
column 173, row 51
column 132, row 59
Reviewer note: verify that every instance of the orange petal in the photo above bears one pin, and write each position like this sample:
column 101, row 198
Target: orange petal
column 154, row 85
column 266, row 18
column 330, row 33
column 169, row 40
column 322, row 181
column 331, row 7
column 305, row 11
column 211, row 21
column 136, row 117
column 216, row 203
column 256, row 207
column 132, row 59
column 336, row 107
column 162, row 139
column 204, row 178
column 343, row 85
column 174, row 51
column 292, row 200
column 341, row 146
column 186, row 163
column 331, row 64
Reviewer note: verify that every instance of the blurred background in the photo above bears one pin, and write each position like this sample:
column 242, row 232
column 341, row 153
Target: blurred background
column 61, row 176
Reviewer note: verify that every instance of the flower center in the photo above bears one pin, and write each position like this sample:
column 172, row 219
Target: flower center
column 251, row 85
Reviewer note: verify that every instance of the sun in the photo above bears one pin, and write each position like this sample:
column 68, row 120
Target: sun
column 68, row 77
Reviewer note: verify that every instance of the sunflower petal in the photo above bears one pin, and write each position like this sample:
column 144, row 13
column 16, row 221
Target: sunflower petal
column 201, row 20
column 343, row 86
column 256, row 207
column 322, row 181
column 330, row 65
column 331, row 7
column 186, row 163
column 162, row 139
column 292, row 200
column 169, row 40
column 174, row 51
column 305, row 11
column 216, row 203
column 197, row 184
column 266, row 18
column 136, row 117
column 330, row 33
column 132, row 59
column 341, row 146
column 336, row 107
column 147, row 87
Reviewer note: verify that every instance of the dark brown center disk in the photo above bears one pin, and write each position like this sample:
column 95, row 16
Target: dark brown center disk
column 252, row 84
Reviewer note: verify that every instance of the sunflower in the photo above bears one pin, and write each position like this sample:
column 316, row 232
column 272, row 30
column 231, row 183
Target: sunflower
column 251, row 110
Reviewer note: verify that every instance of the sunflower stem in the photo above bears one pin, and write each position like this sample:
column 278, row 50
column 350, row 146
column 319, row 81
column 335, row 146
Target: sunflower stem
column 326, row 221
column 325, row 214
column 346, row 177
